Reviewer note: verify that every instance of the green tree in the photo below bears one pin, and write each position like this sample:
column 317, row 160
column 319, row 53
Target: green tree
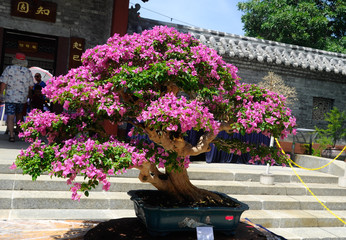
column 318, row 24
column 335, row 130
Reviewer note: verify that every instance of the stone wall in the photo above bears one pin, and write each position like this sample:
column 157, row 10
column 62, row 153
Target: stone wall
column 308, row 84
column 88, row 19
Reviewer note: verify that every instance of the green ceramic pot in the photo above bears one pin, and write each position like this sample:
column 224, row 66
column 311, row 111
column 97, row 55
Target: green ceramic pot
column 161, row 221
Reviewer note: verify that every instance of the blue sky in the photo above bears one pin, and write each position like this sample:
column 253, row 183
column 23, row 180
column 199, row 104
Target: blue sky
column 220, row 15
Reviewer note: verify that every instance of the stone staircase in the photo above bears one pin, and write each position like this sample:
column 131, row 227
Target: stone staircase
column 285, row 208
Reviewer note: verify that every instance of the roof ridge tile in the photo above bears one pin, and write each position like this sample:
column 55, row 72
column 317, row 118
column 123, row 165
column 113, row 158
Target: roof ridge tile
column 233, row 45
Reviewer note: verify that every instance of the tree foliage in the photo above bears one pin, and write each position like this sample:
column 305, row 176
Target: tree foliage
column 164, row 83
column 318, row 24
column 335, row 129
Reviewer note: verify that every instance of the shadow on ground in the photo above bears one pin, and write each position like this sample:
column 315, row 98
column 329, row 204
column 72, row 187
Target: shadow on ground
column 133, row 229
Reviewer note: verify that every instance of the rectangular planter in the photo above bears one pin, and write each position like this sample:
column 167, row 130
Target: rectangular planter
column 160, row 221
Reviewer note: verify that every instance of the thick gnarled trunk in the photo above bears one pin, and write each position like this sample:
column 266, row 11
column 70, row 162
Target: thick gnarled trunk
column 176, row 183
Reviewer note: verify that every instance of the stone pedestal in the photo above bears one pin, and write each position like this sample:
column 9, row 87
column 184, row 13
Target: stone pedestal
column 267, row 179
column 342, row 182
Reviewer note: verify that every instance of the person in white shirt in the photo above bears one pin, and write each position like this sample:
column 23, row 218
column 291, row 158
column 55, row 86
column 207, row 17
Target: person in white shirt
column 17, row 80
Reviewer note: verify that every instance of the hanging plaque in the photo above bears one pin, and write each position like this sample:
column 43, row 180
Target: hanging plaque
column 26, row 46
column 39, row 10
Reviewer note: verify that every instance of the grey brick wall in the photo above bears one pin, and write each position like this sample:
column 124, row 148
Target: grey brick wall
column 88, row 19
column 308, row 84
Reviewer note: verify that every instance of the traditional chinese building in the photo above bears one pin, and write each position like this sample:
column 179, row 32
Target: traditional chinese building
column 53, row 34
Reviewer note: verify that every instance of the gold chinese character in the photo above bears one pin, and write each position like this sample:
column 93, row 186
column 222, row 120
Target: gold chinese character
column 40, row 10
column 27, row 45
column 34, row 47
column 77, row 45
column 21, row 45
column 23, row 7
column 76, row 58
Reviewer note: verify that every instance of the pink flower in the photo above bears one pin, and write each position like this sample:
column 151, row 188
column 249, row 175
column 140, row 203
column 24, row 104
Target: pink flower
column 13, row 166
column 66, row 105
column 111, row 172
column 172, row 127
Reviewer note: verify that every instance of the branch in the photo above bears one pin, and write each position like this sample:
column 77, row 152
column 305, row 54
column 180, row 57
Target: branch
column 150, row 174
column 182, row 147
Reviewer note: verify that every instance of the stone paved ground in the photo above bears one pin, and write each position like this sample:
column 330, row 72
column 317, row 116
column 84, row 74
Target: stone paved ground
column 108, row 230
column 44, row 229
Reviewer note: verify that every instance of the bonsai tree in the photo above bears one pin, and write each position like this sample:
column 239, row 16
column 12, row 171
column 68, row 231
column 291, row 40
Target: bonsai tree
column 336, row 129
column 164, row 83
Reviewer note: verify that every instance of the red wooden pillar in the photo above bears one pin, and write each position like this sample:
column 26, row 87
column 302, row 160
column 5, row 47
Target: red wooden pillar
column 62, row 56
column 120, row 17
column 1, row 47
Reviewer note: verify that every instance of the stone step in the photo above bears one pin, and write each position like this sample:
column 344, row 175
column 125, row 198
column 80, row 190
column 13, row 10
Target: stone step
column 66, row 214
column 120, row 200
column 252, row 173
column 285, row 208
column 232, row 172
column 270, row 219
column 119, row 184
column 277, row 202
column 311, row 233
column 295, row 218
column 62, row 200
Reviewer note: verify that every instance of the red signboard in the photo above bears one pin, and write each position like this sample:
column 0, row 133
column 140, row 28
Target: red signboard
column 39, row 10
column 26, row 46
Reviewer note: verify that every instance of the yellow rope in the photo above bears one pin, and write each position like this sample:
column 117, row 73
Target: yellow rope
column 301, row 180
column 314, row 169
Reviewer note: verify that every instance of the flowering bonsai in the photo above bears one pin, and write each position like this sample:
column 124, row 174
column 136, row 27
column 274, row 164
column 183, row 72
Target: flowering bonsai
column 164, row 83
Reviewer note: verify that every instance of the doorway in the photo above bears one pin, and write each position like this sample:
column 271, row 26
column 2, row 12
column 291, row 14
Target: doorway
column 40, row 50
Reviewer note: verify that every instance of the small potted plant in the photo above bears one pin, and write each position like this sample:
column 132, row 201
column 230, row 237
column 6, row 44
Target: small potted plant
column 335, row 131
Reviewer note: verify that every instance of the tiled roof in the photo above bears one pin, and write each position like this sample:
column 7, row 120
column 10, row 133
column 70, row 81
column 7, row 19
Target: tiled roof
column 271, row 52
column 231, row 45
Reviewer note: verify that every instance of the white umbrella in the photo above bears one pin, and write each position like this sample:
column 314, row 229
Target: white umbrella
column 45, row 75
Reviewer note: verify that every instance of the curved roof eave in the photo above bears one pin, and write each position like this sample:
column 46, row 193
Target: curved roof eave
column 232, row 45
column 271, row 52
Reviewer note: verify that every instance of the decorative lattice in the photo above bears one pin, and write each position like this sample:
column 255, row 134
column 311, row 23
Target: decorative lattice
column 320, row 107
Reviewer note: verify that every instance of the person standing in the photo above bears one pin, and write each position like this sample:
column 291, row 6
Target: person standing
column 37, row 99
column 38, row 81
column 18, row 81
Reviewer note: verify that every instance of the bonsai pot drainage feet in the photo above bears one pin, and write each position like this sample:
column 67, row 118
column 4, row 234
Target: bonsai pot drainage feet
column 161, row 221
